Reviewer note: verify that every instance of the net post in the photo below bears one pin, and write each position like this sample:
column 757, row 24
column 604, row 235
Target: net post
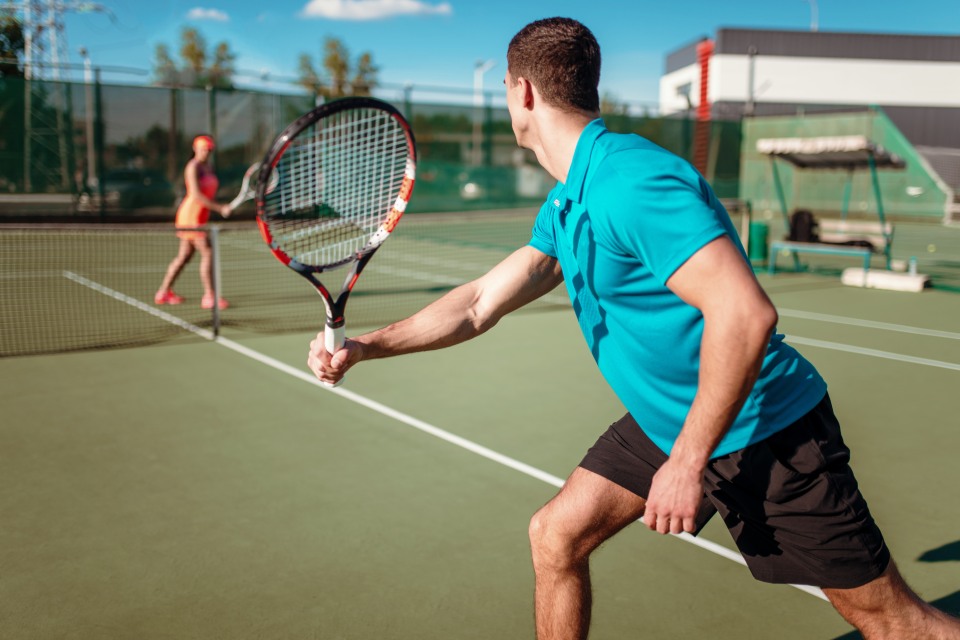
column 215, row 257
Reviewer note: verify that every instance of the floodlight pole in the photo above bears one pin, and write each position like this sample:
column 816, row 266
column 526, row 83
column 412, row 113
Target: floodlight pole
column 479, row 68
column 814, row 26
column 88, row 88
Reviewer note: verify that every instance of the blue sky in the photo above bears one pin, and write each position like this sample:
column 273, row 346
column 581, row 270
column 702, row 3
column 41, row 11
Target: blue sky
column 438, row 42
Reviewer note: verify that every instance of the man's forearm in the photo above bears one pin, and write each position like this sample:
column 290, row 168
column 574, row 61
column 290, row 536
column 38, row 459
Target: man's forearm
column 468, row 310
column 448, row 321
column 731, row 356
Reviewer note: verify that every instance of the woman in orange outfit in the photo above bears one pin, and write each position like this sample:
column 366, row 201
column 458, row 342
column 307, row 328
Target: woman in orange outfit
column 194, row 212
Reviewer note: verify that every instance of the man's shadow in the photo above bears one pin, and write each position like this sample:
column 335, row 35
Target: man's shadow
column 949, row 552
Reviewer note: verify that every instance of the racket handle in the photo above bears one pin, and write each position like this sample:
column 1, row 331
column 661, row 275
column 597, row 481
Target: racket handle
column 333, row 338
column 241, row 197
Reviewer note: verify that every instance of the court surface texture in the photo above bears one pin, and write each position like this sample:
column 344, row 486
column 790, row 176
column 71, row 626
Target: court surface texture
column 208, row 489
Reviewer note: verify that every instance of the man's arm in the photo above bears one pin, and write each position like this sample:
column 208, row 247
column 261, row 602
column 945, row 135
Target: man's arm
column 738, row 321
column 461, row 314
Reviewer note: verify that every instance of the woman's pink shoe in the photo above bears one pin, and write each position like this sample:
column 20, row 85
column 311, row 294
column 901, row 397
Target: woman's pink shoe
column 167, row 297
column 207, row 303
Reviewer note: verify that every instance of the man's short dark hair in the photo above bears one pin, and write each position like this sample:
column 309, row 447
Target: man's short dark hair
column 561, row 58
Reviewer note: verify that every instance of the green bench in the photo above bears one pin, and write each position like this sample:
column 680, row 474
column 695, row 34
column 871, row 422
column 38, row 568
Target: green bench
column 833, row 234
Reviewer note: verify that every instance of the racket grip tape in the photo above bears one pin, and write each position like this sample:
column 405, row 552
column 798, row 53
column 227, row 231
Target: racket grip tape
column 333, row 340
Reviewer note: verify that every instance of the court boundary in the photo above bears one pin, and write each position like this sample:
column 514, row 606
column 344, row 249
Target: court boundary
column 399, row 416
column 495, row 456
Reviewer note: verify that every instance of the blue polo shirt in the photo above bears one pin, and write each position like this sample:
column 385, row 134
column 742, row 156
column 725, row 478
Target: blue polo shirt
column 629, row 215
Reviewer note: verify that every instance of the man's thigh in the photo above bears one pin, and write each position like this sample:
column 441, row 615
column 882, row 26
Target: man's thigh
column 588, row 510
column 625, row 456
column 793, row 506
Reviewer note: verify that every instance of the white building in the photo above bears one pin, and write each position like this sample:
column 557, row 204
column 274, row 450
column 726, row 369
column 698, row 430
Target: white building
column 915, row 79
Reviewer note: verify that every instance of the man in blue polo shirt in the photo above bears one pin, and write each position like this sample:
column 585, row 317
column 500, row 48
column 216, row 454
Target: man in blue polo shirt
column 723, row 415
column 618, row 245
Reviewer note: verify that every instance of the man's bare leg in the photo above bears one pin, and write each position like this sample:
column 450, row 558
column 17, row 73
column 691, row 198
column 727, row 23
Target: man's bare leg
column 588, row 510
column 887, row 609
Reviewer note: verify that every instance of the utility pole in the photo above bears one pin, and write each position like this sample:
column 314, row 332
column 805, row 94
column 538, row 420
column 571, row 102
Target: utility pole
column 44, row 55
column 479, row 69
column 44, row 34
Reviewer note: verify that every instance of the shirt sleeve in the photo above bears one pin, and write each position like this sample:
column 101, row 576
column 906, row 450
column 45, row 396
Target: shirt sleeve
column 659, row 210
column 542, row 237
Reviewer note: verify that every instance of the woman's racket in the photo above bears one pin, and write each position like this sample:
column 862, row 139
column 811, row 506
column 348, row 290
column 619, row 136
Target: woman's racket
column 342, row 177
column 248, row 185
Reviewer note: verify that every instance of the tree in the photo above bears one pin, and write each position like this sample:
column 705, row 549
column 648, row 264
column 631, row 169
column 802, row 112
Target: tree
column 336, row 61
column 193, row 52
column 221, row 71
column 341, row 78
column 365, row 75
column 309, row 79
column 165, row 69
column 611, row 105
column 11, row 46
column 195, row 69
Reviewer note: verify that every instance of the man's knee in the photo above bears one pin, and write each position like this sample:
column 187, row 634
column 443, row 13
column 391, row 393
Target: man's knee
column 553, row 542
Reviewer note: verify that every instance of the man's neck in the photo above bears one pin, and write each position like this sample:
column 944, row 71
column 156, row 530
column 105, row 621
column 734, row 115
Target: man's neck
column 559, row 133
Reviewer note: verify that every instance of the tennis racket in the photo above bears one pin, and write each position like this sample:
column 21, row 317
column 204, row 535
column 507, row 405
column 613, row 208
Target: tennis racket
column 344, row 173
column 248, row 185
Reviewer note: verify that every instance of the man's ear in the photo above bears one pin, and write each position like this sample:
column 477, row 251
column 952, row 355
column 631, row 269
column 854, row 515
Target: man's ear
column 529, row 95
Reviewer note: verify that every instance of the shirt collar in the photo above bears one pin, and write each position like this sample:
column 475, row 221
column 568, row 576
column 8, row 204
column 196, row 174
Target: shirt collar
column 577, row 174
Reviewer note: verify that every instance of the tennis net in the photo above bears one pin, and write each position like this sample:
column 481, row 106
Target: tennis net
column 73, row 287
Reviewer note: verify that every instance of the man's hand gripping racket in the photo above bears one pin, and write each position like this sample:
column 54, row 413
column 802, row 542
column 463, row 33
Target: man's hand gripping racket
column 332, row 188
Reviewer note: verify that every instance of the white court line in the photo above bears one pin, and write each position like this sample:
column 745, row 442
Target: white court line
column 886, row 355
column 142, row 306
column 373, row 405
column 870, row 324
column 463, row 443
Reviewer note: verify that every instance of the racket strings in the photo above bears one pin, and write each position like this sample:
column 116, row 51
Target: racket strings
column 337, row 182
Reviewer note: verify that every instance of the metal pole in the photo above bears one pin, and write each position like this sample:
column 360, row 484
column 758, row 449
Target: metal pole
column 880, row 212
column 172, row 137
column 98, row 140
column 751, row 81
column 215, row 256
column 88, row 94
column 27, row 132
column 52, row 27
column 479, row 68
column 488, row 133
column 27, row 39
column 27, row 90
column 783, row 206
column 212, row 111
column 407, row 101
column 814, row 22
column 847, row 188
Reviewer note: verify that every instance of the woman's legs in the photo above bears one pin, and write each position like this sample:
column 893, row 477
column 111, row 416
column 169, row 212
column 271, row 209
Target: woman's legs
column 165, row 294
column 206, row 273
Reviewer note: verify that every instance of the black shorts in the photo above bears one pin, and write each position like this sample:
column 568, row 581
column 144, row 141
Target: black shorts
column 791, row 502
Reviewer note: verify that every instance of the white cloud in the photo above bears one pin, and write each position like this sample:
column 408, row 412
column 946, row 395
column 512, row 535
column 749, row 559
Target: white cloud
column 199, row 13
column 371, row 9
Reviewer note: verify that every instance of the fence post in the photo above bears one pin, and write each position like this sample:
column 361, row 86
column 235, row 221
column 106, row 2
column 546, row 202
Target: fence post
column 212, row 111
column 98, row 139
column 27, row 133
column 215, row 257
column 488, row 131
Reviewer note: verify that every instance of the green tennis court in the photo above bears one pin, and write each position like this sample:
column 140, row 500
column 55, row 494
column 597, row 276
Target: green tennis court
column 190, row 488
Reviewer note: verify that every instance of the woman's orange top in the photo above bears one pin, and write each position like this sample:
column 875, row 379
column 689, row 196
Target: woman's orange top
column 192, row 213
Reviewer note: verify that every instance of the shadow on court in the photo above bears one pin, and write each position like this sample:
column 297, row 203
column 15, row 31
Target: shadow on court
column 946, row 553
column 949, row 604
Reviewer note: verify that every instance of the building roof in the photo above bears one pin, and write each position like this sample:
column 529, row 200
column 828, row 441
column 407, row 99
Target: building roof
column 830, row 152
column 824, row 44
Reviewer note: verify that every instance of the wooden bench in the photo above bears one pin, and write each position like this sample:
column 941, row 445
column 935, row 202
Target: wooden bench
column 834, row 236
